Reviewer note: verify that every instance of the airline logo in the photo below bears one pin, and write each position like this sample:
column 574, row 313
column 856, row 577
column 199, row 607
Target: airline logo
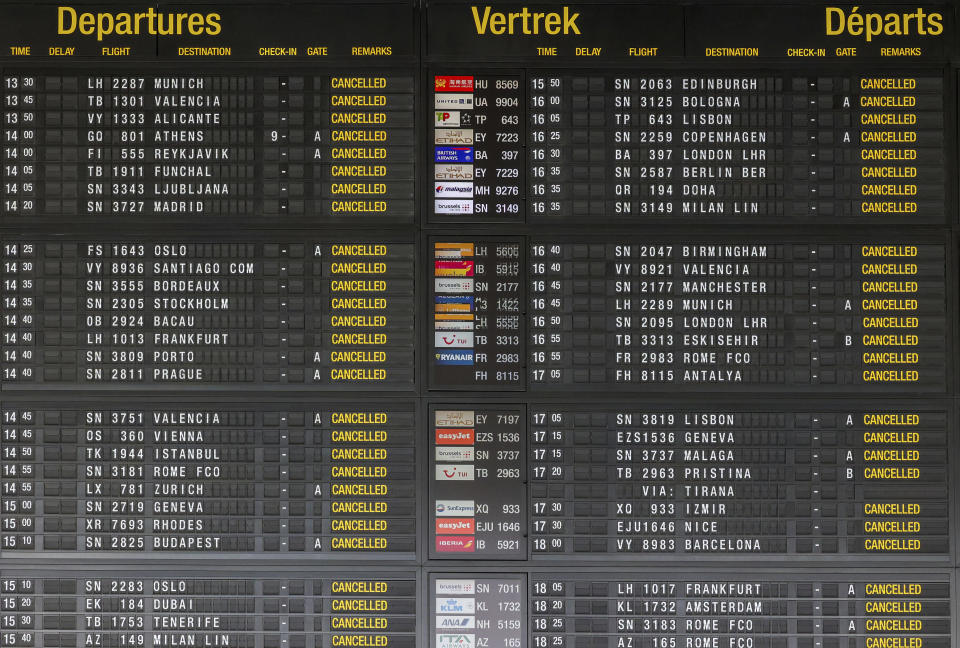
column 454, row 418
column 454, row 453
column 455, row 508
column 453, row 172
column 456, row 544
column 455, row 526
column 458, row 358
column 453, row 136
column 453, row 250
column 456, row 640
column 453, row 303
column 454, row 436
column 455, row 472
column 453, row 285
column 465, row 317
column 453, row 83
column 455, row 587
column 466, row 622
column 452, row 340
column 450, row 268
column 446, row 118
column 445, row 325
column 453, row 101
column 453, row 190
column 453, row 154
column 452, row 206
column 456, row 606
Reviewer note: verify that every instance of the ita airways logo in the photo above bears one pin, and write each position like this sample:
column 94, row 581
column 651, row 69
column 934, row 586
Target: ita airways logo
column 455, row 640
column 455, row 526
column 456, row 544
column 455, row 472
column 455, row 436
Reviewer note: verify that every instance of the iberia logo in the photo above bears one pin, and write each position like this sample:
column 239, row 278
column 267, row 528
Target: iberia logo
column 453, row 526
column 455, row 436
column 456, row 544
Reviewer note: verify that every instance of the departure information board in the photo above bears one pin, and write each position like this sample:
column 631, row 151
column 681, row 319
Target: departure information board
column 445, row 324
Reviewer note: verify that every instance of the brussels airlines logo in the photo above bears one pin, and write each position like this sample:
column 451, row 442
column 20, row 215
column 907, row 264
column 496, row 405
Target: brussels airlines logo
column 454, row 453
column 454, row 587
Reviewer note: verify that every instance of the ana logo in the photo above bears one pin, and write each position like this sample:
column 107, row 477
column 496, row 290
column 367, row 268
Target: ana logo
column 455, row 640
column 456, row 606
column 455, row 622
column 455, row 526
column 455, row 472
column 455, row 508
column 454, row 587
column 454, row 436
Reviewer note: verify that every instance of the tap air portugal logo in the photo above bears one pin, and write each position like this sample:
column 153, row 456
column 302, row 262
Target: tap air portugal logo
column 525, row 22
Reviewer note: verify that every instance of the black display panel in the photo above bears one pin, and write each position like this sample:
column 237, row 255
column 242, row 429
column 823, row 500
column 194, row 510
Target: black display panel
column 428, row 323
column 325, row 480
column 163, row 608
column 242, row 313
